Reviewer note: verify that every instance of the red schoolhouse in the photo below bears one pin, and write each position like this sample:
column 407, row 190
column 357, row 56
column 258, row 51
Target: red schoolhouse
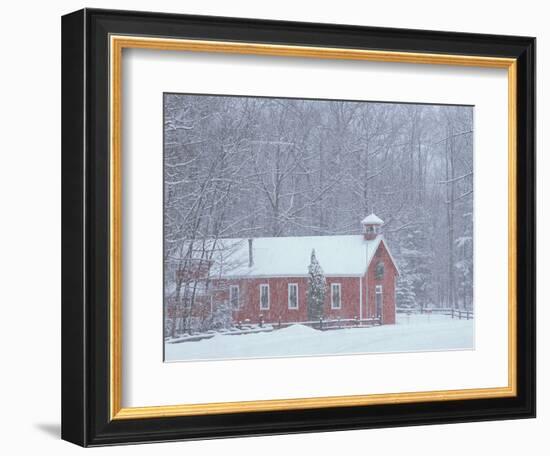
column 268, row 277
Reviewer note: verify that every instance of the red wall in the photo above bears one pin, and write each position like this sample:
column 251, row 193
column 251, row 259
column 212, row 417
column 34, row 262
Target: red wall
column 388, row 286
column 278, row 299
column 350, row 298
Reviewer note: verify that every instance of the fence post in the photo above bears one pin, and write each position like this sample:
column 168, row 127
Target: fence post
column 280, row 322
column 261, row 320
column 321, row 323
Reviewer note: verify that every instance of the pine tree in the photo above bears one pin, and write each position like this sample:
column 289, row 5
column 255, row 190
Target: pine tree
column 405, row 295
column 316, row 289
column 414, row 285
column 222, row 317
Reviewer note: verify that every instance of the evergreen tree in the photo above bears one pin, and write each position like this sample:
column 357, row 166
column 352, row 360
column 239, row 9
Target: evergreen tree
column 404, row 293
column 222, row 317
column 316, row 289
column 415, row 283
column 464, row 268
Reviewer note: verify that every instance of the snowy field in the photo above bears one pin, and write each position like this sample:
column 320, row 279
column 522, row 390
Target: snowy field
column 411, row 333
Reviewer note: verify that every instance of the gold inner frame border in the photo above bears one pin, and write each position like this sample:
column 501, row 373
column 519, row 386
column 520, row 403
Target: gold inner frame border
column 116, row 46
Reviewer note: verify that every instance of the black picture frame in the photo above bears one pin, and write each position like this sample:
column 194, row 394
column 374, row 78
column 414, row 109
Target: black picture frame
column 85, row 228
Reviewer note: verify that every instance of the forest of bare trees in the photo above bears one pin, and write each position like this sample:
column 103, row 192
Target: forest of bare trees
column 241, row 167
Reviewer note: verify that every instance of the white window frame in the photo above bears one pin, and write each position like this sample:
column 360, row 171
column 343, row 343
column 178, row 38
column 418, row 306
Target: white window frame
column 262, row 286
column 233, row 287
column 332, row 286
column 297, row 299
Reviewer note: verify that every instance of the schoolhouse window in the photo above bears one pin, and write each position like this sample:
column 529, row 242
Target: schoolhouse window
column 336, row 296
column 234, row 296
column 264, row 296
column 292, row 295
column 379, row 272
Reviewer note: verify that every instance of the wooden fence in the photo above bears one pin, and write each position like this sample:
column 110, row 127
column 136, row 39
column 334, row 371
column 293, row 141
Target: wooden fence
column 326, row 324
column 466, row 314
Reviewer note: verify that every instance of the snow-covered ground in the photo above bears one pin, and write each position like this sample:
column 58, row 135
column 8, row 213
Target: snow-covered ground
column 411, row 333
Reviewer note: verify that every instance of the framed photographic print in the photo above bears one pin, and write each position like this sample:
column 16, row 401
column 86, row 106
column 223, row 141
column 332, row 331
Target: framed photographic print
column 278, row 227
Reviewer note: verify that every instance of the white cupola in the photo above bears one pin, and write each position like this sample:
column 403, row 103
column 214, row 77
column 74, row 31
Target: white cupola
column 371, row 226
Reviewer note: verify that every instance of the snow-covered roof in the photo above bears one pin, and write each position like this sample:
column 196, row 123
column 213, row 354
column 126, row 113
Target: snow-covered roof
column 372, row 219
column 347, row 255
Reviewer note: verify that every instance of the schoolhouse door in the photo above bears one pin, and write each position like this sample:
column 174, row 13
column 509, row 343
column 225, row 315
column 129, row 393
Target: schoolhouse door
column 378, row 301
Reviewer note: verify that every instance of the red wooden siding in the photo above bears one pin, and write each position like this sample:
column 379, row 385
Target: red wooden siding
column 388, row 286
column 349, row 298
column 278, row 300
column 249, row 297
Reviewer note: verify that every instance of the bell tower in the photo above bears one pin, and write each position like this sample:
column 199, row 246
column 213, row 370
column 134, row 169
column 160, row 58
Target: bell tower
column 371, row 226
